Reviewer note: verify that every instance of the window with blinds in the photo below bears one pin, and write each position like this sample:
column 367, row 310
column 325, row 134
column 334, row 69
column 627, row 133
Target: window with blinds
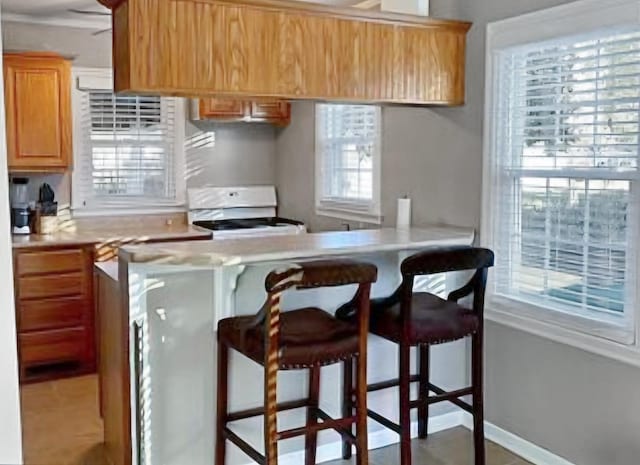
column 565, row 173
column 347, row 159
column 126, row 155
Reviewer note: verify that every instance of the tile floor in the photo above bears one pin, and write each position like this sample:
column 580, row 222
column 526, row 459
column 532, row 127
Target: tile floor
column 62, row 426
column 450, row 447
column 61, row 422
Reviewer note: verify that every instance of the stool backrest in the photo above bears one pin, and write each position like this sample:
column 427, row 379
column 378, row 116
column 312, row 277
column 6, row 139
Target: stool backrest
column 321, row 273
column 446, row 259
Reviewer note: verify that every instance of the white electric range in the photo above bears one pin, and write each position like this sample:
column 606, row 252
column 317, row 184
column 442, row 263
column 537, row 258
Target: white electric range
column 247, row 211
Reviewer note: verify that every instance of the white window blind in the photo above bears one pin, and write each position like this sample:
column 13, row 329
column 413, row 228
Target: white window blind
column 565, row 167
column 127, row 150
column 347, row 154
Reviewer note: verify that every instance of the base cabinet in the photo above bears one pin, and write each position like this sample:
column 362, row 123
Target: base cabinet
column 55, row 307
column 55, row 312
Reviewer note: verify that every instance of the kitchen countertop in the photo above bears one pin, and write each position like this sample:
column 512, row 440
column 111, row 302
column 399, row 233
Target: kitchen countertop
column 229, row 252
column 115, row 235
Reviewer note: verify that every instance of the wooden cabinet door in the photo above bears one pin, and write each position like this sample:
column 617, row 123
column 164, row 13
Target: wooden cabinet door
column 276, row 111
column 215, row 108
column 38, row 109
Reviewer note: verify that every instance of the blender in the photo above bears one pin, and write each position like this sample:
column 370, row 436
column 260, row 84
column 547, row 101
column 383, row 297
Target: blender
column 20, row 206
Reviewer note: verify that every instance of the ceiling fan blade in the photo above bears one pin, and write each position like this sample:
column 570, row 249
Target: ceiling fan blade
column 102, row 31
column 89, row 12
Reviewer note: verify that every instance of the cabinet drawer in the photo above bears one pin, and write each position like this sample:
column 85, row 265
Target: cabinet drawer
column 62, row 312
column 55, row 346
column 53, row 261
column 41, row 287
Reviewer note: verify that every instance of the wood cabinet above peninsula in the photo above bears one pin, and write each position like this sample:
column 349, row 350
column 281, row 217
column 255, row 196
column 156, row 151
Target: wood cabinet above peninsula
column 286, row 50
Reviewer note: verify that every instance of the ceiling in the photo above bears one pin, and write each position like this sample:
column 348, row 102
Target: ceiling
column 57, row 11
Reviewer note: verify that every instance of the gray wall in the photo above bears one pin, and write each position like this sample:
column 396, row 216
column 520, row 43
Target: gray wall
column 223, row 154
column 423, row 150
column 234, row 154
column 580, row 406
column 416, row 143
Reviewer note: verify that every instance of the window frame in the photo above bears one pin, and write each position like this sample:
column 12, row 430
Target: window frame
column 578, row 18
column 102, row 79
column 366, row 211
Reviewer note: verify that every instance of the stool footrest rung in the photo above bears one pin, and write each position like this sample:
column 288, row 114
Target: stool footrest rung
column 254, row 412
column 384, row 421
column 390, row 383
column 451, row 396
column 244, row 446
column 343, row 431
column 329, row 424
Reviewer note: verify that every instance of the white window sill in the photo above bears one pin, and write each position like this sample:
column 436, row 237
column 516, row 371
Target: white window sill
column 349, row 215
column 629, row 354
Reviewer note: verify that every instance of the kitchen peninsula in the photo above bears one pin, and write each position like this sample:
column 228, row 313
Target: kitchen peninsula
column 176, row 293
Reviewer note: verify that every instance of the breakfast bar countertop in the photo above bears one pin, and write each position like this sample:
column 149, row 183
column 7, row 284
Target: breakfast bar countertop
column 231, row 252
column 177, row 293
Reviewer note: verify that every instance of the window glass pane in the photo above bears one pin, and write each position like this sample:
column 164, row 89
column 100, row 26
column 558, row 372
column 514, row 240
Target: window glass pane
column 130, row 142
column 571, row 248
column 347, row 139
column 567, row 141
column 576, row 104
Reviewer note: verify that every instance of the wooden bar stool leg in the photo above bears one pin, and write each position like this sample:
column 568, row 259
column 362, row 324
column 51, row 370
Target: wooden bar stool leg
column 405, row 410
column 271, row 410
column 478, row 401
column 221, row 412
column 347, row 401
column 362, row 457
column 311, row 439
column 423, row 390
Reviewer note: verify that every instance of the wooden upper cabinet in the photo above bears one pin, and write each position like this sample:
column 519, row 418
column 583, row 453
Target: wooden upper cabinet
column 38, row 111
column 221, row 108
column 276, row 112
column 286, row 50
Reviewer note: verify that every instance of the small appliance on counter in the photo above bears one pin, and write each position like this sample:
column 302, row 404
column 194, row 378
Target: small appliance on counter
column 19, row 197
column 47, row 211
column 46, row 201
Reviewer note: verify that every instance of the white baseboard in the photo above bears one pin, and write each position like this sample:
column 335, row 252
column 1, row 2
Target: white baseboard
column 381, row 438
column 525, row 449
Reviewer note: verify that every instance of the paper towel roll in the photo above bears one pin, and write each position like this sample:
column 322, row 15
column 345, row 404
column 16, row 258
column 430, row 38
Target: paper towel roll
column 403, row 220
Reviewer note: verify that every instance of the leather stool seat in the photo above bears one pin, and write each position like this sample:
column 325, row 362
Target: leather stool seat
column 308, row 337
column 433, row 320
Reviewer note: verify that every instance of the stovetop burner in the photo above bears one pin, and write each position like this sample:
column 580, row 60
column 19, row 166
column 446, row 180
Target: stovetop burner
column 245, row 223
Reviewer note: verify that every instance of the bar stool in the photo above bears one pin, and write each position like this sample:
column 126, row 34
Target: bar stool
column 419, row 319
column 306, row 338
